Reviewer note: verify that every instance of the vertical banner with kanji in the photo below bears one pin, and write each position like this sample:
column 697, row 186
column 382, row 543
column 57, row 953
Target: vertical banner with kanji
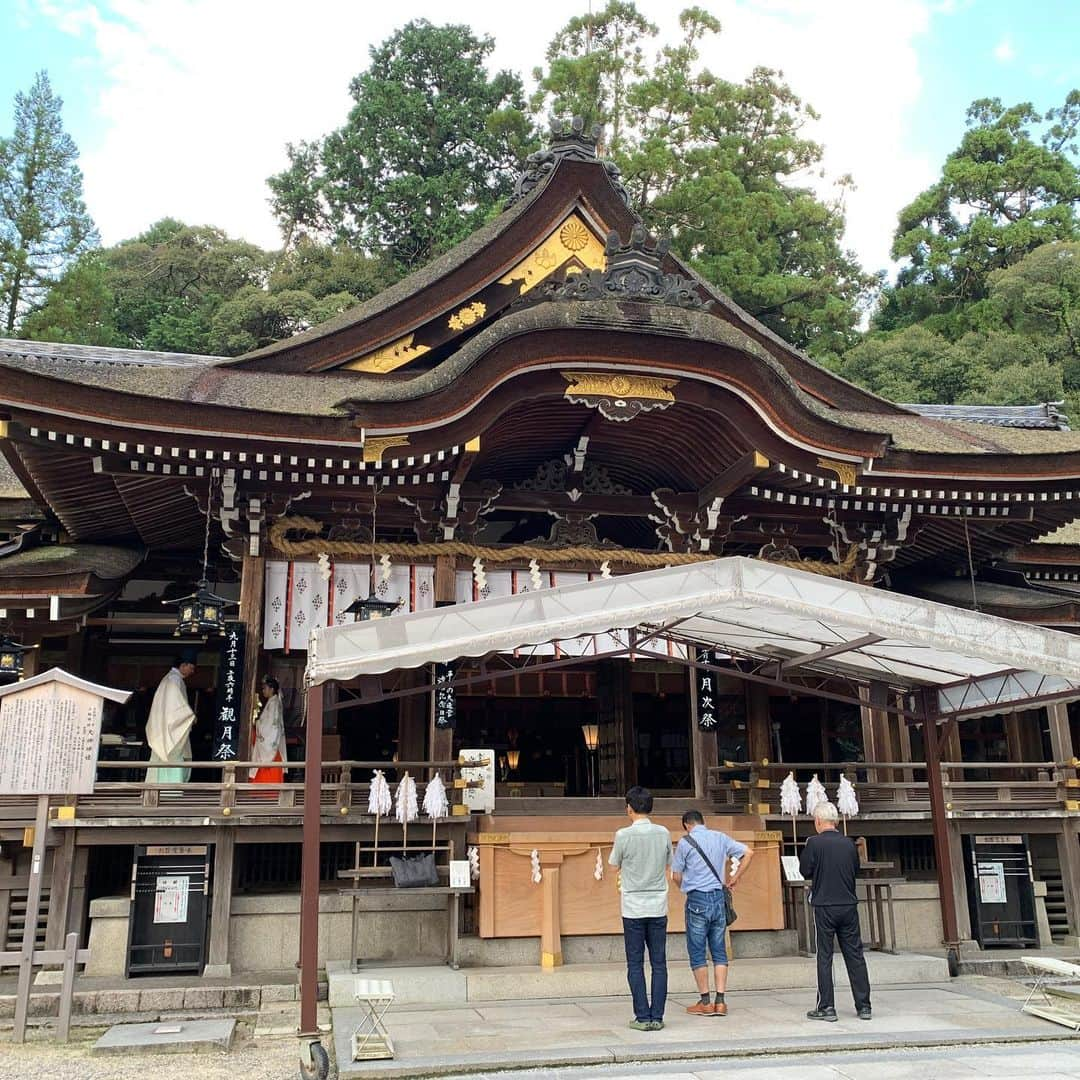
column 706, row 691
column 445, row 701
column 229, row 692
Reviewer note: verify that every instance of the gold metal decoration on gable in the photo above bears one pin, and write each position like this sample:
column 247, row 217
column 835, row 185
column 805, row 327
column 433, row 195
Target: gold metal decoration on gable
column 619, row 396
column 573, row 239
column 389, row 357
column 375, row 447
column 467, row 316
column 844, row 470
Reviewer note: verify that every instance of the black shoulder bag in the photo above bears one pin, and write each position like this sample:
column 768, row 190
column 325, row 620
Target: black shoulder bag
column 730, row 914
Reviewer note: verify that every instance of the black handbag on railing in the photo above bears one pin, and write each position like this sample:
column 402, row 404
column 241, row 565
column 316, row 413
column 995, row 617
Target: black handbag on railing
column 414, row 871
column 730, row 914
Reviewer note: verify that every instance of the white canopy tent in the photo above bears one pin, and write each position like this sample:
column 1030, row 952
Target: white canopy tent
column 792, row 622
column 744, row 607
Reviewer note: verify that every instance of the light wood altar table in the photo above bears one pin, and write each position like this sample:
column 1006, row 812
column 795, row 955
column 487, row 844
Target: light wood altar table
column 570, row 900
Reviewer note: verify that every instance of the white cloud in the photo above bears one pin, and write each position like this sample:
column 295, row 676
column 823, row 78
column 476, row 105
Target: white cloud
column 1003, row 51
column 201, row 96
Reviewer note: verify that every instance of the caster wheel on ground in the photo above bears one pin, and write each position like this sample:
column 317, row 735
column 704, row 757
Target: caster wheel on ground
column 314, row 1063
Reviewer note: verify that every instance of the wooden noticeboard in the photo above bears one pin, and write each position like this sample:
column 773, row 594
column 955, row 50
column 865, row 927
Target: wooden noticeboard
column 50, row 729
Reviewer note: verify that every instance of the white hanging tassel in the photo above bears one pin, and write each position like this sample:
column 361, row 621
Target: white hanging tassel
column 379, row 801
column 537, row 873
column 325, row 570
column 790, row 797
column 598, row 873
column 815, row 795
column 846, row 802
column 478, row 573
column 734, row 866
column 436, row 805
column 474, row 863
column 384, row 569
column 605, row 569
column 534, row 573
column 405, row 809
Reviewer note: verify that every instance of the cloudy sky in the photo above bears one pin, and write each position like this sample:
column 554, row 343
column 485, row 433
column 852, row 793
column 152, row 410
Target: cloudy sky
column 184, row 107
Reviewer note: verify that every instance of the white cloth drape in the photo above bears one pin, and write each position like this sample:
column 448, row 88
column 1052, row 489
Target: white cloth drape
column 269, row 733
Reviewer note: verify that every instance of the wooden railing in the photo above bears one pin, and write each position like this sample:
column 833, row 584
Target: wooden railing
column 344, row 789
column 900, row 786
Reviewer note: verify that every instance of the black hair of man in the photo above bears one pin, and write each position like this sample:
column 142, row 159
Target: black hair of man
column 639, row 800
column 187, row 656
column 692, row 817
column 269, row 680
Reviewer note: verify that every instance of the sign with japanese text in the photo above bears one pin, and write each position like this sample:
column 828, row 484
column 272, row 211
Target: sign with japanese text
column 706, row 691
column 445, row 701
column 230, row 691
column 49, row 736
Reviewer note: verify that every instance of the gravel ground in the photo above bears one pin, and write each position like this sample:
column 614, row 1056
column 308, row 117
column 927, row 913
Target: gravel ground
column 40, row 1059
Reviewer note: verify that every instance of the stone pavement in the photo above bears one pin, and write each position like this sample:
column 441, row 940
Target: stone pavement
column 490, row 1037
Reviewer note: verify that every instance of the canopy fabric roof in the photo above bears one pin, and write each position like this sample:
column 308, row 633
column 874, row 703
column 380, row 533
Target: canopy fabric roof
column 741, row 606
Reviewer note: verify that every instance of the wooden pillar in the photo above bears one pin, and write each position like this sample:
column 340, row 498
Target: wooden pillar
column 78, row 910
column 1068, row 848
column 877, row 746
column 704, row 747
column 309, row 867
column 414, row 717
column 758, row 719
column 615, row 709
column 60, row 882
column 217, row 963
column 252, row 587
column 1061, row 743
column 551, row 917
column 440, row 740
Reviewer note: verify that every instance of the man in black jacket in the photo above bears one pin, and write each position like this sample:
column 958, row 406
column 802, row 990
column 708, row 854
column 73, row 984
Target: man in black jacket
column 831, row 861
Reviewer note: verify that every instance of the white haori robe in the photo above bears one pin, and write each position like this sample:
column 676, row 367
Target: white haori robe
column 168, row 730
column 269, row 733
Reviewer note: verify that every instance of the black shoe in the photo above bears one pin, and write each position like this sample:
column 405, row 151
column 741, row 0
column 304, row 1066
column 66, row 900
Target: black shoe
column 864, row 1014
column 822, row 1014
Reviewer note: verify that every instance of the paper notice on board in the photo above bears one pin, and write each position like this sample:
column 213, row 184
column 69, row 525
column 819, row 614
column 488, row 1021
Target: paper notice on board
column 791, row 868
column 171, row 900
column 992, row 882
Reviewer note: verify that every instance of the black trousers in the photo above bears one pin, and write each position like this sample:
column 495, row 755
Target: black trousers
column 843, row 923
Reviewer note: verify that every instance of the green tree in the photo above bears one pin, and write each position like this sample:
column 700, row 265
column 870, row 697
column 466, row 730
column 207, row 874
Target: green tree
column 717, row 165
column 43, row 220
column 431, row 147
column 80, row 307
column 1007, row 189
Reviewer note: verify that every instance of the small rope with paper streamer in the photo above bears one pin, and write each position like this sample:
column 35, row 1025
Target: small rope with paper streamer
column 478, row 573
column 474, row 863
column 379, row 803
column 791, row 802
column 384, row 569
column 598, row 872
column 534, row 573
column 537, row 874
column 846, row 802
column 815, row 795
column 325, row 570
column 405, row 808
column 436, row 804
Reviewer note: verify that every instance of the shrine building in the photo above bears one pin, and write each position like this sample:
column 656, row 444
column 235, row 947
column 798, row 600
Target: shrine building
column 556, row 400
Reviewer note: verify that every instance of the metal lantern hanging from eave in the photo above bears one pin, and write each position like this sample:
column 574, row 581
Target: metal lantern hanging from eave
column 201, row 613
column 371, row 608
column 11, row 659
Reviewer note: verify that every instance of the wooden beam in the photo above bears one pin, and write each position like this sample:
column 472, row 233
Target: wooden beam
column 252, row 587
column 829, row 650
column 217, row 961
column 733, row 478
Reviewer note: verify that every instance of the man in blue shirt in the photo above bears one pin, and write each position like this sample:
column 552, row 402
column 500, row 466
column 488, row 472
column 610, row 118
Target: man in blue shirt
column 700, row 870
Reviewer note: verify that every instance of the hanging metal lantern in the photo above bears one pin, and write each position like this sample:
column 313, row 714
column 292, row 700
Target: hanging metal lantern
column 201, row 613
column 372, row 608
column 11, row 659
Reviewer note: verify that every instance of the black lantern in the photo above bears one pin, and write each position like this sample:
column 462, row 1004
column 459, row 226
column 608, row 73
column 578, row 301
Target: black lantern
column 11, row 659
column 202, row 612
column 372, row 608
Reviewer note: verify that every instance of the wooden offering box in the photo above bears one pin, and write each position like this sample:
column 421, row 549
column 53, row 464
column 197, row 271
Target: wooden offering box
column 570, row 900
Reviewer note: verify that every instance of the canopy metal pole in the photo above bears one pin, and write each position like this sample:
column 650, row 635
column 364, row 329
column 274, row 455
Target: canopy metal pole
column 309, row 881
column 942, row 852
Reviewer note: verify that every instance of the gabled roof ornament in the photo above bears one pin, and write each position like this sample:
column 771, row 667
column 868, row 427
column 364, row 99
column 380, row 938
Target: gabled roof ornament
column 633, row 271
column 568, row 141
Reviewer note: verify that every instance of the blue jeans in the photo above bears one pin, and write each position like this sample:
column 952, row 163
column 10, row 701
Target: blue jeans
column 706, row 921
column 637, row 934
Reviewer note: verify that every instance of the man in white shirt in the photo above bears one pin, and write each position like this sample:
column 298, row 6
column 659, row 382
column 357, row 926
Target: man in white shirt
column 642, row 851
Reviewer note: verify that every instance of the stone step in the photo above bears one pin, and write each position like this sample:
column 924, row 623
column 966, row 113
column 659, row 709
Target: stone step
column 434, row 985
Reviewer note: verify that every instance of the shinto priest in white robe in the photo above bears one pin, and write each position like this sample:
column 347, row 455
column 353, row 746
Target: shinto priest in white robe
column 269, row 745
column 168, row 730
